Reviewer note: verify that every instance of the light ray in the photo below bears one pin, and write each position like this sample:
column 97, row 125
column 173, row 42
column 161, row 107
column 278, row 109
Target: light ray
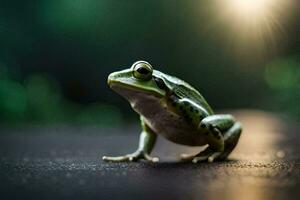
column 256, row 25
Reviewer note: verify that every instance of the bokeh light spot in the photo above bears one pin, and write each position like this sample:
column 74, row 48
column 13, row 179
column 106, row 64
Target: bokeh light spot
column 283, row 74
column 13, row 102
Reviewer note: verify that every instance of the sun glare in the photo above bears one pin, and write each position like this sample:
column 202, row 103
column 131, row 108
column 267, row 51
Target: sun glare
column 254, row 23
column 249, row 7
column 252, row 11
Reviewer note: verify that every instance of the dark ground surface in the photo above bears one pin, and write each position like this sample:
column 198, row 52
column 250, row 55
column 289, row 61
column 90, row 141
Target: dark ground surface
column 64, row 163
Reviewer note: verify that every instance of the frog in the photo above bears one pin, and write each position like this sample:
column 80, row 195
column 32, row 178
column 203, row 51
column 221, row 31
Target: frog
column 172, row 108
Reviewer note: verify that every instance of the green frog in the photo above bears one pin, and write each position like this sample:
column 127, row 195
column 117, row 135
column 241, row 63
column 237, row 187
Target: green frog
column 172, row 108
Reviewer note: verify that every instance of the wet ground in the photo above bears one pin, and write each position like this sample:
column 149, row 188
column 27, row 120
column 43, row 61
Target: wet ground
column 64, row 163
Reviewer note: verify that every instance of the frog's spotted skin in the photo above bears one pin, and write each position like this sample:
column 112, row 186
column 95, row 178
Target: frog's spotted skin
column 193, row 115
column 187, row 109
column 172, row 108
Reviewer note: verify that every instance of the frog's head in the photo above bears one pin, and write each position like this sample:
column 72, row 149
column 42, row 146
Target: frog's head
column 138, row 82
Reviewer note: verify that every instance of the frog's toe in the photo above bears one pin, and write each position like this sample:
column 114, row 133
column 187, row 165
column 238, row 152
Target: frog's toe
column 207, row 155
column 209, row 158
column 151, row 159
column 199, row 159
column 128, row 157
column 116, row 158
column 214, row 156
column 187, row 157
column 194, row 158
column 131, row 158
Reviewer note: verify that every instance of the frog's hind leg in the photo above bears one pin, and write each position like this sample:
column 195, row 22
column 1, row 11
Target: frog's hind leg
column 231, row 138
column 222, row 133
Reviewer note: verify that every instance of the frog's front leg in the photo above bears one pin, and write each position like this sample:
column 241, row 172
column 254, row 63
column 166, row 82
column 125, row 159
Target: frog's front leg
column 146, row 144
column 223, row 134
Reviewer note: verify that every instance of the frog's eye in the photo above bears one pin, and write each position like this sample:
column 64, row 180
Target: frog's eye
column 142, row 70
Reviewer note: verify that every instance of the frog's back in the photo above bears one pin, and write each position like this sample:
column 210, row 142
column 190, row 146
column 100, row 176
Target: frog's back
column 184, row 90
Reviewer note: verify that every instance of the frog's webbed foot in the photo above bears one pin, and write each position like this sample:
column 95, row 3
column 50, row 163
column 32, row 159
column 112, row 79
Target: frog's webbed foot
column 208, row 155
column 210, row 158
column 138, row 155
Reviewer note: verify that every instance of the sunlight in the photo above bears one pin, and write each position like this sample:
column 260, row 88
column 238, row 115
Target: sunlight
column 255, row 25
column 250, row 7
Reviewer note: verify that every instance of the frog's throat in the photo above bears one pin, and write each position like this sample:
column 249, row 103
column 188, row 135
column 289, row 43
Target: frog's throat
column 143, row 102
column 129, row 91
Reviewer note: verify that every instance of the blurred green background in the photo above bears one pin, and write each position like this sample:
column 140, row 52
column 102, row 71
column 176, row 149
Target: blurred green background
column 55, row 55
